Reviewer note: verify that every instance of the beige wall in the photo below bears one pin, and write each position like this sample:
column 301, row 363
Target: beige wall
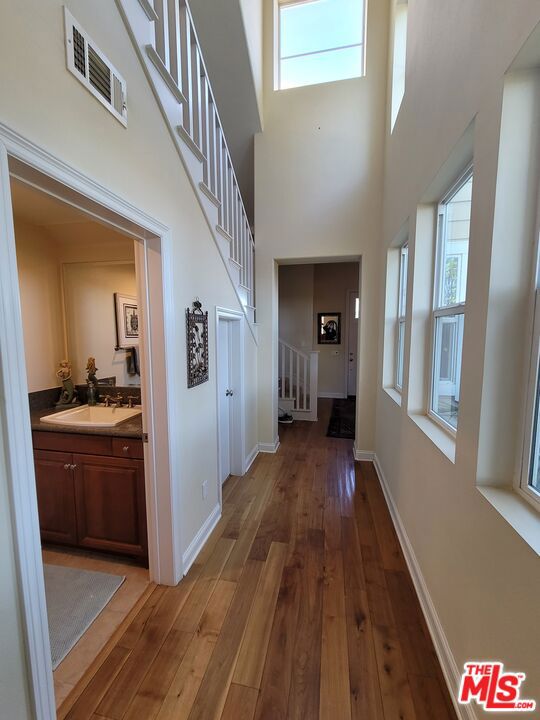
column 40, row 281
column 296, row 305
column 68, row 275
column 318, row 191
column 482, row 576
column 330, row 294
column 304, row 291
column 89, row 290
column 141, row 165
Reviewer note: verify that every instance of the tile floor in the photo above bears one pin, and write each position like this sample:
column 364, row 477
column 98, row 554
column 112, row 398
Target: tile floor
column 77, row 662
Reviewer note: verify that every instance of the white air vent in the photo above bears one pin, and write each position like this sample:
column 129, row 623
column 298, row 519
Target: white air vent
column 93, row 70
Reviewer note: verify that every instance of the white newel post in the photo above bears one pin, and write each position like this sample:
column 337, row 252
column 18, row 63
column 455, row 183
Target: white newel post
column 313, row 382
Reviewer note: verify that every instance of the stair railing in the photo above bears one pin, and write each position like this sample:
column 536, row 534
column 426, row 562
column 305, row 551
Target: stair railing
column 176, row 53
column 299, row 376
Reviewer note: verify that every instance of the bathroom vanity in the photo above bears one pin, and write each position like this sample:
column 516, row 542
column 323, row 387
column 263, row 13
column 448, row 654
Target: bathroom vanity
column 90, row 486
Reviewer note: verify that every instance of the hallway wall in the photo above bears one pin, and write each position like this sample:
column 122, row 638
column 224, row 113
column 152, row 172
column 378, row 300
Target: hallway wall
column 45, row 103
column 483, row 578
column 318, row 189
column 304, row 291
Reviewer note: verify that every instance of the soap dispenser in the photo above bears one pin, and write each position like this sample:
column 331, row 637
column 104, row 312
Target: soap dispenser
column 92, row 394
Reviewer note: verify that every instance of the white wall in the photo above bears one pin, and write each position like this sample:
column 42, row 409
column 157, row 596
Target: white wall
column 318, row 190
column 482, row 576
column 252, row 12
column 140, row 164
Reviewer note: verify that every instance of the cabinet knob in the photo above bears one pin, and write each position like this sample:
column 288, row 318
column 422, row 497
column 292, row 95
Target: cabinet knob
column 73, row 467
column 67, row 466
column 125, row 449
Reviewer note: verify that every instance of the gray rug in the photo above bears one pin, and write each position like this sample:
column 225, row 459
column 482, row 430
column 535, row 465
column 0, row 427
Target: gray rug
column 74, row 600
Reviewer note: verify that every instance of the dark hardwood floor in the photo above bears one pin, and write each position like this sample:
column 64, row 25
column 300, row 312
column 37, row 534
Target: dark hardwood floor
column 299, row 606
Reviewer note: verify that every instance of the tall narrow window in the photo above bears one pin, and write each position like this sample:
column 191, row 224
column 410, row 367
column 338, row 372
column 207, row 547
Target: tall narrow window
column 530, row 466
column 449, row 303
column 401, row 313
column 320, row 41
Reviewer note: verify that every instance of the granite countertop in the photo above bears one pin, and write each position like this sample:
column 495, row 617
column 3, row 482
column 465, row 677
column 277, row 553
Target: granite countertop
column 129, row 428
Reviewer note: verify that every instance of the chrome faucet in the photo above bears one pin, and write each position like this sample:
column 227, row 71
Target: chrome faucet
column 117, row 400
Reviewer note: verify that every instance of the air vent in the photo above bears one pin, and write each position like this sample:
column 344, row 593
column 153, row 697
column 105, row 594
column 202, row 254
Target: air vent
column 93, row 70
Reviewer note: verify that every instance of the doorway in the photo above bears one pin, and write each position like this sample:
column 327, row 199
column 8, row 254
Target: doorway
column 29, row 164
column 353, row 315
column 230, row 392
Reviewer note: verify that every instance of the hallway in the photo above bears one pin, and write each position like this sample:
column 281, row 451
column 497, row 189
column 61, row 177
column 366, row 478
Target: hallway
column 299, row 606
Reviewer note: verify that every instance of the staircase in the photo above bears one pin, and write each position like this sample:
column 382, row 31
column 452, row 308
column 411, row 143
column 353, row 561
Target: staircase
column 298, row 381
column 165, row 38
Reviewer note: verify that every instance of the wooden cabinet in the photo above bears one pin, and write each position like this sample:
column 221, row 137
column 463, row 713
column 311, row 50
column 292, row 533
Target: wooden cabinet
column 109, row 497
column 56, row 497
column 88, row 499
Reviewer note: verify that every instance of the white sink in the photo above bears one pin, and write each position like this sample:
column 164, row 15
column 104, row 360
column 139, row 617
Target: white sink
column 92, row 416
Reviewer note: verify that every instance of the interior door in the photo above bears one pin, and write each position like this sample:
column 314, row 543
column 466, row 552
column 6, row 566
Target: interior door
column 224, row 397
column 353, row 309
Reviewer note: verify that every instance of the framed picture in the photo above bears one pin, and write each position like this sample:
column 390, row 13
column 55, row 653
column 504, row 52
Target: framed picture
column 127, row 320
column 197, row 345
column 329, row 328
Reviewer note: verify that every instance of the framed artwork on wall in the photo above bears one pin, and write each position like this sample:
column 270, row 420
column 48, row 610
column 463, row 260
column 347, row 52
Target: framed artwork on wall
column 329, row 328
column 197, row 345
column 127, row 320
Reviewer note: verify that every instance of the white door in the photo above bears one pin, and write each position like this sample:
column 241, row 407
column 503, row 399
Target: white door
column 224, row 397
column 353, row 310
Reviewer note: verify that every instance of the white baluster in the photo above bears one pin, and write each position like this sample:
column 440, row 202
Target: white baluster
column 205, row 137
column 196, row 133
column 175, row 52
column 185, row 46
column 282, row 374
column 161, row 32
column 304, row 394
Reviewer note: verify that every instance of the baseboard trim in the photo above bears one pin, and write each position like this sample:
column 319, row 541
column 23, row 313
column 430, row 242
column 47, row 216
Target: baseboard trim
column 198, row 542
column 269, row 447
column 361, row 455
column 248, row 462
column 450, row 669
column 332, row 396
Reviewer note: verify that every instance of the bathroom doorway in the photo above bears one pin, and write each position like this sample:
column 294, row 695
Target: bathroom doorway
column 33, row 169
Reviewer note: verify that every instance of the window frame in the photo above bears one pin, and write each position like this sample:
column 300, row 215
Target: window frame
column 401, row 315
column 439, row 310
column 531, row 426
column 279, row 5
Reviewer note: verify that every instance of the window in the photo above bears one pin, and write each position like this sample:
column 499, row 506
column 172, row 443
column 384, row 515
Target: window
column 320, row 41
column 399, row 57
column 530, row 466
column 454, row 219
column 401, row 311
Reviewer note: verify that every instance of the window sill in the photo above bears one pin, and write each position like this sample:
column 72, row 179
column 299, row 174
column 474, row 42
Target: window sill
column 516, row 511
column 394, row 394
column 441, row 439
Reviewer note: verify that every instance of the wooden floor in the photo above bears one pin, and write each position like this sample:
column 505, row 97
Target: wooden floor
column 299, row 606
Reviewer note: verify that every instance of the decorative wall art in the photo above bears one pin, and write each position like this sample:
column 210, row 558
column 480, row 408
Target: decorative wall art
column 329, row 328
column 197, row 344
column 127, row 321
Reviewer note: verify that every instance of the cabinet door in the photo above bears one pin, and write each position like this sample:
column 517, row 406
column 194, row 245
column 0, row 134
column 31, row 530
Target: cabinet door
column 111, row 505
column 56, row 497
